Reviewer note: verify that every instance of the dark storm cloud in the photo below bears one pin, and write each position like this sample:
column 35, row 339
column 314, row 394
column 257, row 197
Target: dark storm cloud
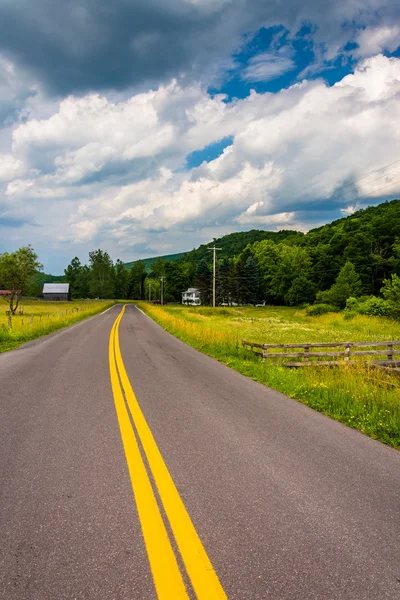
column 81, row 45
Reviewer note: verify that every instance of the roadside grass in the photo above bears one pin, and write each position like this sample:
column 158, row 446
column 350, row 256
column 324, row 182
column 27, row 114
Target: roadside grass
column 40, row 318
column 364, row 398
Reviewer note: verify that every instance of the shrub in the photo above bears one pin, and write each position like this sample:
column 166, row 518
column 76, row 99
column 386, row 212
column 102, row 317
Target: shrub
column 370, row 305
column 320, row 309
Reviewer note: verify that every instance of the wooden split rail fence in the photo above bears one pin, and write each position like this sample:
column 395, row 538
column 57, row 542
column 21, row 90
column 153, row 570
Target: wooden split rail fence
column 348, row 350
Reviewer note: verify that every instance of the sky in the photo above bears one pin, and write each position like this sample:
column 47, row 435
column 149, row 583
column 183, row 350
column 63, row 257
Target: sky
column 148, row 127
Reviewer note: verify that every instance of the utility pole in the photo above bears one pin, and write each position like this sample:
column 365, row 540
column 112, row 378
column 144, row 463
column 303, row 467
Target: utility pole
column 162, row 290
column 214, row 250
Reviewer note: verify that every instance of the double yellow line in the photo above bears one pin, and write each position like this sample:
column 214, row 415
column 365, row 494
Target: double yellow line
column 167, row 576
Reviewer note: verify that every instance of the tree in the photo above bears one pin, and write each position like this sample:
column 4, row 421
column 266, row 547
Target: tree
column 252, row 280
column 348, row 284
column 176, row 281
column 136, row 280
column 151, row 288
column 121, row 280
column 302, row 290
column 391, row 293
column 101, row 274
column 202, row 281
column 16, row 270
column 158, row 267
column 77, row 276
column 225, row 282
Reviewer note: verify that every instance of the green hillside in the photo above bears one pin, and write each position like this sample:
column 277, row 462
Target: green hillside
column 230, row 244
column 148, row 261
column 234, row 243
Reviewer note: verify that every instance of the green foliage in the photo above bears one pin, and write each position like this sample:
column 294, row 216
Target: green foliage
column 121, row 276
column 234, row 243
column 252, row 281
column 136, row 280
column 368, row 238
column 371, row 305
column 35, row 285
column 391, row 293
column 320, row 309
column 101, row 280
column 280, row 265
column 302, row 291
column 347, row 284
column 16, row 271
column 77, row 275
column 202, row 281
column 149, row 262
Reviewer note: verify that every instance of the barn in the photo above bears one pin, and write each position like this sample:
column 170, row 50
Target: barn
column 56, row 291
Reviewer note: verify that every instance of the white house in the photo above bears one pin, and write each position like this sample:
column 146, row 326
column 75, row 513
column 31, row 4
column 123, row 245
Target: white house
column 191, row 296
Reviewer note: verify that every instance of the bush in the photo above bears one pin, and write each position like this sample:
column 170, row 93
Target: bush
column 371, row 305
column 320, row 309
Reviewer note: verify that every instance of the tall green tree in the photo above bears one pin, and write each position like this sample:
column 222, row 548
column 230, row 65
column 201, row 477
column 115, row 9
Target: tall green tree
column 78, row 277
column 16, row 270
column 301, row 291
column 158, row 267
column 121, row 280
column 203, row 282
column 391, row 293
column 252, row 281
column 348, row 284
column 101, row 274
column 136, row 280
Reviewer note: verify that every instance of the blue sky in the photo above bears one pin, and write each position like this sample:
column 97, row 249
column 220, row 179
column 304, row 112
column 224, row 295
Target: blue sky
column 149, row 128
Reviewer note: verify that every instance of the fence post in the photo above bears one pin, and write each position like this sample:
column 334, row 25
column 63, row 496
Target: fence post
column 264, row 354
column 390, row 352
column 9, row 322
column 306, row 350
column 347, row 352
column 31, row 319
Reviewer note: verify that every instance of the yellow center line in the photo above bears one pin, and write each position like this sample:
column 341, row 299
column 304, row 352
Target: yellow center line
column 204, row 580
column 164, row 567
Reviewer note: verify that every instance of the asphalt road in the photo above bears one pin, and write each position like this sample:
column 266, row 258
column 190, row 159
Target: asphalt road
column 287, row 503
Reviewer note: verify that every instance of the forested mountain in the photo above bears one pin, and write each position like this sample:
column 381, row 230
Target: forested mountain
column 149, row 261
column 233, row 243
column 367, row 238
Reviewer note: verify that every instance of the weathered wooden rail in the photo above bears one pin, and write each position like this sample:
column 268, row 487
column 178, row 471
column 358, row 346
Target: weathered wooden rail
column 388, row 349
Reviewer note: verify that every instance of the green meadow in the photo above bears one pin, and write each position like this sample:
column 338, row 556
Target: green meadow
column 358, row 395
column 35, row 318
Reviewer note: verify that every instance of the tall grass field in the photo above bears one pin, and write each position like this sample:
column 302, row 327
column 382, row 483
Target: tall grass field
column 362, row 397
column 36, row 318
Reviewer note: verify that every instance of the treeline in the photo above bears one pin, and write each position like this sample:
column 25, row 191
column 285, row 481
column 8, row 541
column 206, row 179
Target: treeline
column 352, row 257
